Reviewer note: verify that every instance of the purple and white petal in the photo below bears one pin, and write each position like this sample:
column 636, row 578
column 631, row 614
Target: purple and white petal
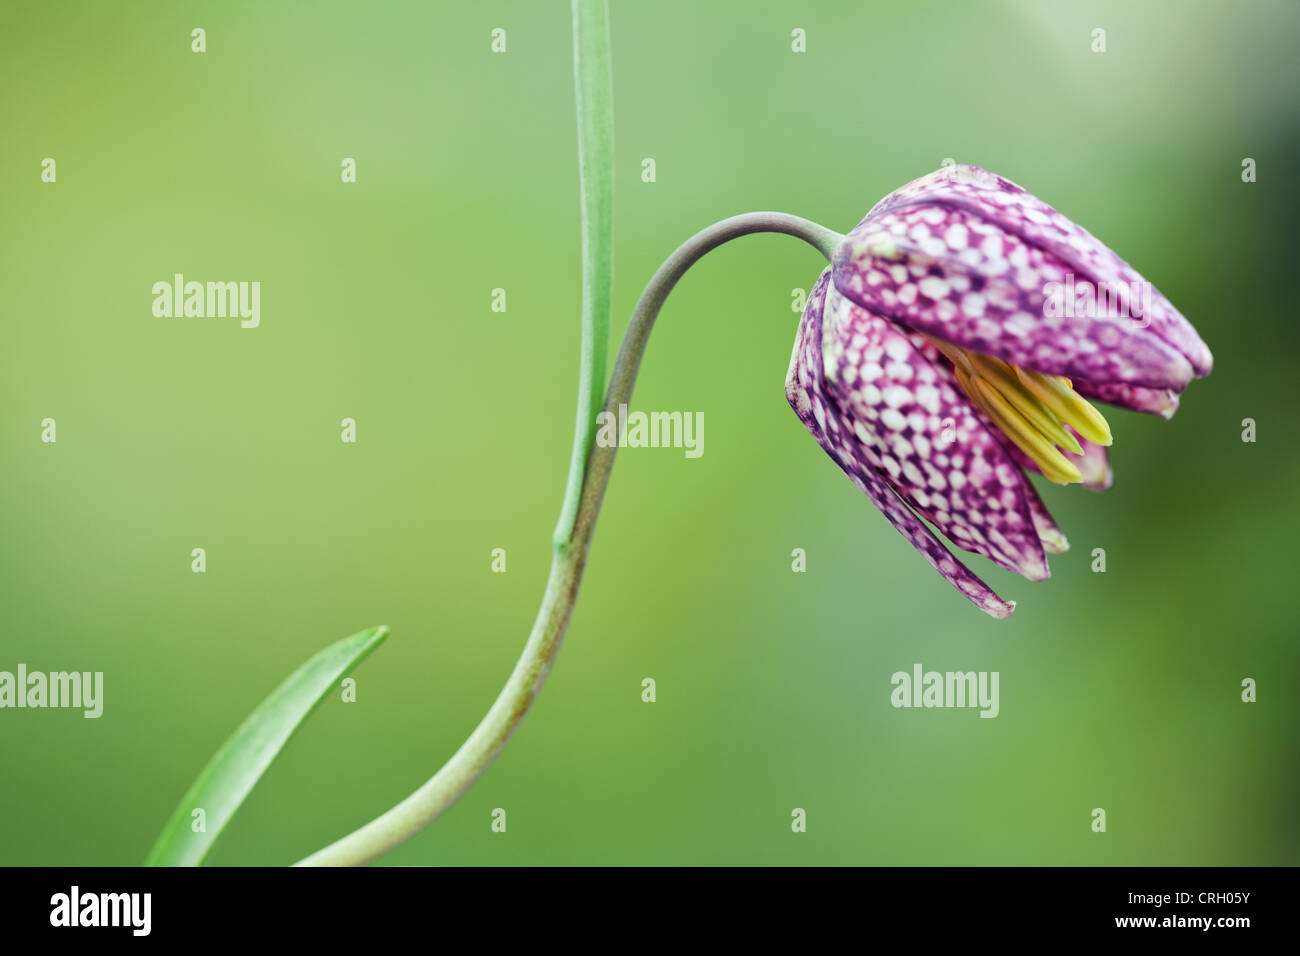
column 1093, row 464
column 1054, row 540
column 1154, row 401
column 821, row 414
column 1012, row 210
column 926, row 438
column 950, row 273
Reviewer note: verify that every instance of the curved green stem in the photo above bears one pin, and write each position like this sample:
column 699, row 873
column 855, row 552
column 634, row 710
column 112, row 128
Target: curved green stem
column 475, row 755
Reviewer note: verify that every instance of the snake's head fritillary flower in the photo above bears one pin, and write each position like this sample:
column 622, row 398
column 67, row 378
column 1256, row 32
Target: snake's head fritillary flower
column 954, row 343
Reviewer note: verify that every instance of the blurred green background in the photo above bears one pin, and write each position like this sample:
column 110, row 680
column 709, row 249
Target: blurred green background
column 1118, row 690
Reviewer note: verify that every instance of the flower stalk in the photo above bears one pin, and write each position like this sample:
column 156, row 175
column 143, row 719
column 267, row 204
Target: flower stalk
column 491, row 735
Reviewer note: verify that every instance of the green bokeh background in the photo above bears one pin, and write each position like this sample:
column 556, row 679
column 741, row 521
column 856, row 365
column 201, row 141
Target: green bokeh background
column 1118, row 690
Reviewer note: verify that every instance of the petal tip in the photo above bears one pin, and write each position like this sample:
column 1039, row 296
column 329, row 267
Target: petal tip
column 1054, row 543
column 998, row 609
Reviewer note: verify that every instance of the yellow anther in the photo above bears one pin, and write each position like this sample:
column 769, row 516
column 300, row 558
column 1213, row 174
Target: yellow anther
column 1003, row 377
column 1015, row 426
column 1031, row 409
column 1072, row 408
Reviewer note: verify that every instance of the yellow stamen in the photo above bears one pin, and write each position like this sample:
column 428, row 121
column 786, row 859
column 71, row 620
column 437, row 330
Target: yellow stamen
column 1031, row 408
column 1002, row 377
column 1015, row 426
column 1060, row 397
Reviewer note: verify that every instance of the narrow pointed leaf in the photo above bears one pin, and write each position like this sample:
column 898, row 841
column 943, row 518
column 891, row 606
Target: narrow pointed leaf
column 595, row 106
column 235, row 769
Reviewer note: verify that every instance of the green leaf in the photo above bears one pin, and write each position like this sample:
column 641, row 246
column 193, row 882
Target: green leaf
column 235, row 769
column 595, row 107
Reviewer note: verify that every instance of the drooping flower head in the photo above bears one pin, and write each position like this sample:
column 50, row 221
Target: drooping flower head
column 955, row 341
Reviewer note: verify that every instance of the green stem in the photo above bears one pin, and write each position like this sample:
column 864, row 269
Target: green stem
column 475, row 755
column 595, row 107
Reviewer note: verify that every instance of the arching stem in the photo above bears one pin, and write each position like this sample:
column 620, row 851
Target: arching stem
column 477, row 753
